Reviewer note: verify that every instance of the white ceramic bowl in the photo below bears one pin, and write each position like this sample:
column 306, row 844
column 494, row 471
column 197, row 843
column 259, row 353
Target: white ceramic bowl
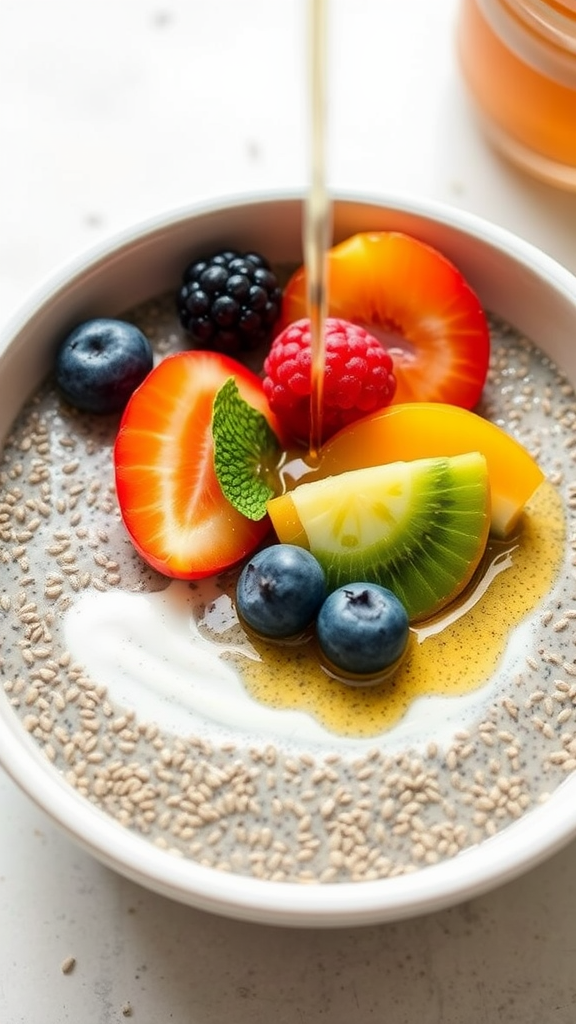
column 514, row 280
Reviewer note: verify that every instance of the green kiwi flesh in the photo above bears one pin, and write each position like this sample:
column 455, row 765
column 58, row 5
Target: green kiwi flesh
column 418, row 528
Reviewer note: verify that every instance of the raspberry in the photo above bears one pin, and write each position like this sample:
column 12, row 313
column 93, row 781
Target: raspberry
column 358, row 377
column 230, row 302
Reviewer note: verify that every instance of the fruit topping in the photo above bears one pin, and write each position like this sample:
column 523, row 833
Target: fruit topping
column 419, row 430
column 388, row 524
column 417, row 528
column 279, row 591
column 362, row 631
column 417, row 303
column 358, row 377
column 229, row 302
column 171, row 502
column 100, row 363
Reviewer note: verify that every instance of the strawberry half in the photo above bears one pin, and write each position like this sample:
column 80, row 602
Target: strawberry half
column 418, row 305
column 171, row 502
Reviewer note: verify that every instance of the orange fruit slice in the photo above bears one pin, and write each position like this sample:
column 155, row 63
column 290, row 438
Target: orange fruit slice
column 416, row 303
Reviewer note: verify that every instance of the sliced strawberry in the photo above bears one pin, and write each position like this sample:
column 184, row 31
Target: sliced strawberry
column 171, row 502
column 417, row 303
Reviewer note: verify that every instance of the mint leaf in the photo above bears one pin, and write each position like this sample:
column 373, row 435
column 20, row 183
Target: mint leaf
column 246, row 452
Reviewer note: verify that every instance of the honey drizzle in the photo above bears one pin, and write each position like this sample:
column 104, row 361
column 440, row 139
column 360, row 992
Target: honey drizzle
column 317, row 230
column 456, row 653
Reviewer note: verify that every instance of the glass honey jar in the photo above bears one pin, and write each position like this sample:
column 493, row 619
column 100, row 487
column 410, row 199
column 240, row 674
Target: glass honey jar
column 518, row 58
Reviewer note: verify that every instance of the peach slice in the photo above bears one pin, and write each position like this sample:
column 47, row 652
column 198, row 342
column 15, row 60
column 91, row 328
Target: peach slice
column 417, row 430
column 417, row 303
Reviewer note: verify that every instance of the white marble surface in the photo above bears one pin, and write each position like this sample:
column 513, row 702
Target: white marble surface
column 111, row 111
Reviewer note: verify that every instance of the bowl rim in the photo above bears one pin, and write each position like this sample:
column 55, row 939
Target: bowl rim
column 462, row 221
column 520, row 846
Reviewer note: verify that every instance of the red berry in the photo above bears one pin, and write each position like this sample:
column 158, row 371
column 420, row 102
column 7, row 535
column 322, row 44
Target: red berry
column 358, row 377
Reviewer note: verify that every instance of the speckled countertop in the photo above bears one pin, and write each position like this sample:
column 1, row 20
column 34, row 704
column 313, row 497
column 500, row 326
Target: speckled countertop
column 111, row 112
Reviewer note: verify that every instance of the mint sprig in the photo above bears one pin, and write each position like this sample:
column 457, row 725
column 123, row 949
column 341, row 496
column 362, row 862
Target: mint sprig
column 246, row 452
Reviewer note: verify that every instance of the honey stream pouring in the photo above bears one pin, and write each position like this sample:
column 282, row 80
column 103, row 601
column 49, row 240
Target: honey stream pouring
column 317, row 214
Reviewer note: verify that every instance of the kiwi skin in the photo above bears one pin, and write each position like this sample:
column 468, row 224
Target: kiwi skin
column 432, row 550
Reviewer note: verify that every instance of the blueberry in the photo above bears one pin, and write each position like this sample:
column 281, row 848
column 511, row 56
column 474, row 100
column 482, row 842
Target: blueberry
column 362, row 629
column 100, row 364
column 279, row 591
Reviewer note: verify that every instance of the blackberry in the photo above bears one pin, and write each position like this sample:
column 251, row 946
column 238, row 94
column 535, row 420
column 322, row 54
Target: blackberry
column 229, row 302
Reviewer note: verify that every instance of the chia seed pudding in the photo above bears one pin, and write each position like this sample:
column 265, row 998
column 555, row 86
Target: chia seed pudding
column 213, row 774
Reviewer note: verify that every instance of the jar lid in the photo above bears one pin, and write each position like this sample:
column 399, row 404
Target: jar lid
column 542, row 33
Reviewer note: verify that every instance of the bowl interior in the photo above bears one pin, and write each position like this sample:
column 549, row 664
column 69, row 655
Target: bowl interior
column 514, row 281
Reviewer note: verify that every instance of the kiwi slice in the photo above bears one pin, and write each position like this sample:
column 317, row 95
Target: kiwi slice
column 418, row 528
